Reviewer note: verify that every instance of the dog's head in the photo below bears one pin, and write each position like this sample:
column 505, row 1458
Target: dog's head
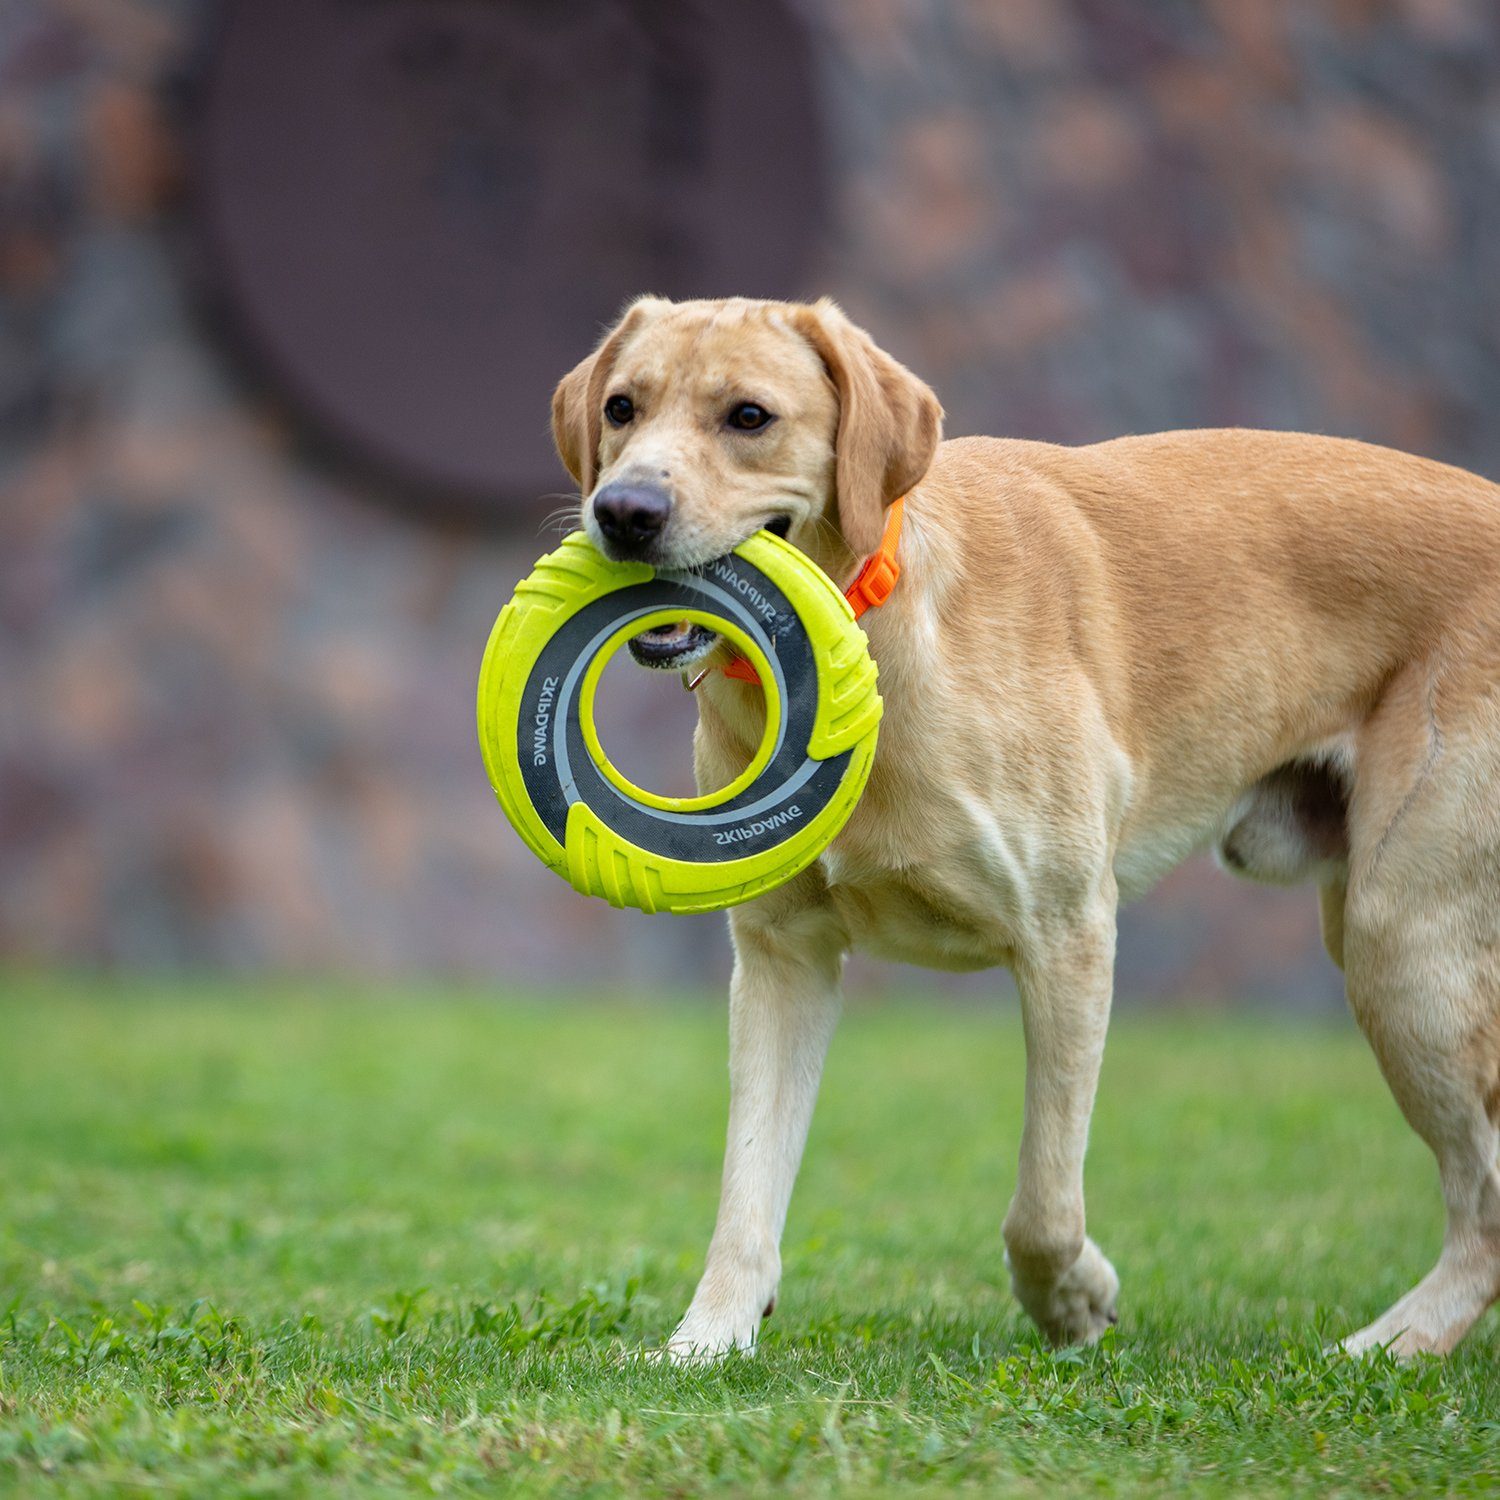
column 694, row 424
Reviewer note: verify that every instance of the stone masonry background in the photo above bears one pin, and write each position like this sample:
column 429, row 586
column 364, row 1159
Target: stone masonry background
column 236, row 692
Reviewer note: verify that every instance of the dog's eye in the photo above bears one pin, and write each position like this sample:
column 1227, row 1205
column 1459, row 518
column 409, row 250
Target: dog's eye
column 748, row 417
column 619, row 410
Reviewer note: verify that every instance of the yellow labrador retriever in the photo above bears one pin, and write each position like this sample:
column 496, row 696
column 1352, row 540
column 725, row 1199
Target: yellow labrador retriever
column 1096, row 661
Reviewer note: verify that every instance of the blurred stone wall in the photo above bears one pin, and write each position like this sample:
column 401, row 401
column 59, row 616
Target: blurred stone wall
column 236, row 693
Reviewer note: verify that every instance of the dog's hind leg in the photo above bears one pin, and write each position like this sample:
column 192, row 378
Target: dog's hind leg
column 1421, row 938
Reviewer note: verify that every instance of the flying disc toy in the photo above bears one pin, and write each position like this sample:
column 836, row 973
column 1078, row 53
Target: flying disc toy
column 607, row 837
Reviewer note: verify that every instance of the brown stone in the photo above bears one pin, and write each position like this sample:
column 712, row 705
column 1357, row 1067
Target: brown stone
column 1032, row 309
column 1029, row 36
column 133, row 164
column 1088, row 142
column 1380, row 167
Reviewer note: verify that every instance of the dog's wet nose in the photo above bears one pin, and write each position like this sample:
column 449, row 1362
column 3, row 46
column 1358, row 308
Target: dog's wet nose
column 631, row 516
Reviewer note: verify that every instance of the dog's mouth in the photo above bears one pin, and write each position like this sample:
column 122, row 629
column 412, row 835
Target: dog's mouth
column 673, row 646
column 685, row 642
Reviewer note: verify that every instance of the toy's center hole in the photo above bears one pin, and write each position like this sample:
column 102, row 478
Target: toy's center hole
column 645, row 723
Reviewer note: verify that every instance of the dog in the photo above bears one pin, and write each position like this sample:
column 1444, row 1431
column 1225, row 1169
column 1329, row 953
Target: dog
column 1096, row 661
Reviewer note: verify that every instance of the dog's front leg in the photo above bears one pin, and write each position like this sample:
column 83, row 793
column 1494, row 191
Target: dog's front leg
column 1060, row 1276
column 783, row 1006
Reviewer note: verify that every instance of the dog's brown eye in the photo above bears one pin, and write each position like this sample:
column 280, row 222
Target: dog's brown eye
column 748, row 417
column 619, row 410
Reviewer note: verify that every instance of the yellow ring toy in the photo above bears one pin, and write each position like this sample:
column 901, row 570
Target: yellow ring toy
column 608, row 837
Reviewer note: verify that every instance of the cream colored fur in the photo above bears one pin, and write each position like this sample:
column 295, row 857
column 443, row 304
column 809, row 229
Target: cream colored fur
column 1097, row 661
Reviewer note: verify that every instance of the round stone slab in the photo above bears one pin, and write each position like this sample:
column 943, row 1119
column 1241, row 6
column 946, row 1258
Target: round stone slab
column 420, row 213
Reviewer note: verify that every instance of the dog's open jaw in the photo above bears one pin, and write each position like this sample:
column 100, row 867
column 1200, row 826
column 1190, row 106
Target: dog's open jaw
column 685, row 643
column 673, row 646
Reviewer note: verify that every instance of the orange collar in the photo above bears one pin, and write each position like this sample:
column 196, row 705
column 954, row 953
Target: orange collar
column 872, row 586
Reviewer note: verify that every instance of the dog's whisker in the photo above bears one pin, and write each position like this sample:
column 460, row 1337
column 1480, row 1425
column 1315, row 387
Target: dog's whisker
column 565, row 518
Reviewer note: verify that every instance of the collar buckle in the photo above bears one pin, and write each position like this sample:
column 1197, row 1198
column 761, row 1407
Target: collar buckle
column 874, row 583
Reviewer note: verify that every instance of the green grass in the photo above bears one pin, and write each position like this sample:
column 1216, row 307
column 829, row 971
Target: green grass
column 279, row 1241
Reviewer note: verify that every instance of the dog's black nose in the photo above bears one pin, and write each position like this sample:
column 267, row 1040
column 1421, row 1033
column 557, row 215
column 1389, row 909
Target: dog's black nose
column 631, row 516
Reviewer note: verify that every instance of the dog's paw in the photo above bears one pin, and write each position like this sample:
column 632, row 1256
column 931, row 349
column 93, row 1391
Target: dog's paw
column 1077, row 1307
column 709, row 1333
column 1384, row 1333
column 702, row 1340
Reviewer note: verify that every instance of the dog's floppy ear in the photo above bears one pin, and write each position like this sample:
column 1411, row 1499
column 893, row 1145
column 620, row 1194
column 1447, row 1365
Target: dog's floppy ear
column 578, row 401
column 889, row 422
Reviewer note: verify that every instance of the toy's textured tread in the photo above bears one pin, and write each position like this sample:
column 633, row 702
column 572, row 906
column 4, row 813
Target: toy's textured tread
column 849, row 707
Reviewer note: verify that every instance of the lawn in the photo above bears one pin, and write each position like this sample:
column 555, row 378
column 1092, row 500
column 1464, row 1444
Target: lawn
column 283, row 1240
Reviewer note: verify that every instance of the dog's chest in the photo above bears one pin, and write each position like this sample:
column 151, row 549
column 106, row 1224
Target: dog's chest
column 944, row 896
column 900, row 921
